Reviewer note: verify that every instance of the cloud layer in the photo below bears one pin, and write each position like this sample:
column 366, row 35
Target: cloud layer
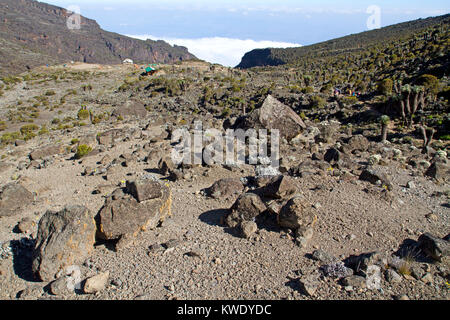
column 225, row 51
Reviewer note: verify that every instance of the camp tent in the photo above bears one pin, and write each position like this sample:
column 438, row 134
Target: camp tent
column 128, row 61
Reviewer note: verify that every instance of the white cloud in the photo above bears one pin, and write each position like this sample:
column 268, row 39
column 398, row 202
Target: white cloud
column 225, row 51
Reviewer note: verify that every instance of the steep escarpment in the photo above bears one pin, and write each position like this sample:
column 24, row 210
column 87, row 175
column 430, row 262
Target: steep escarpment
column 34, row 33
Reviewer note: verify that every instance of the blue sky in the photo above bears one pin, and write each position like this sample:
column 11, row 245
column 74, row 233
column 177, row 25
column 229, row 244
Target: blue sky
column 222, row 31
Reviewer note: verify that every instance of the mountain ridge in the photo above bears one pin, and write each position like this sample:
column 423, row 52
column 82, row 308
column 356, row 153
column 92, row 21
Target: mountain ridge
column 34, row 33
column 352, row 42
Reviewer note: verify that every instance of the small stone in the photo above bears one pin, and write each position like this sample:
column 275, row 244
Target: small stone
column 322, row 256
column 26, row 225
column 348, row 288
column 427, row 278
column 301, row 242
column 410, row 185
column 417, row 272
column 96, row 283
column 402, row 297
column 392, row 276
column 248, row 228
column 354, row 281
column 60, row 287
column 309, row 285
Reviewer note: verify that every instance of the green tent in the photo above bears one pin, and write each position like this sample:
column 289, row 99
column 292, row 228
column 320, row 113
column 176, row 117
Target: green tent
column 149, row 69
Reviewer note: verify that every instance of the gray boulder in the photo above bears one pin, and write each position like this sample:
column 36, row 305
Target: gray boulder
column 13, row 198
column 275, row 115
column 124, row 216
column 64, row 239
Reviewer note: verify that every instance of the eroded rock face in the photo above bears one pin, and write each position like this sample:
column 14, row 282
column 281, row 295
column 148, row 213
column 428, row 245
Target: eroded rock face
column 296, row 214
column 123, row 215
column 275, row 115
column 13, row 198
column 64, row 239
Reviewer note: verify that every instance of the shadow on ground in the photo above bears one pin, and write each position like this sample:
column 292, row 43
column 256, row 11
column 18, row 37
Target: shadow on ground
column 22, row 258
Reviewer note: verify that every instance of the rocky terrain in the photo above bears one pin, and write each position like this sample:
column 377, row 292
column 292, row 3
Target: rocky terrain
column 34, row 33
column 93, row 207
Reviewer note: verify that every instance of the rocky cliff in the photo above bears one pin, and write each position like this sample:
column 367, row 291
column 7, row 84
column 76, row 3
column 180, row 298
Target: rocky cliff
column 34, row 33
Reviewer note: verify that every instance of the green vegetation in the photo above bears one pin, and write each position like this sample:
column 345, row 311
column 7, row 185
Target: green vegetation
column 9, row 137
column 82, row 151
column 317, row 102
column 28, row 131
column 83, row 114
column 385, row 87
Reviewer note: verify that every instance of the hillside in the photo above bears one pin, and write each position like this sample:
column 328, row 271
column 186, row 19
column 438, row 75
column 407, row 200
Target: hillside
column 349, row 44
column 34, row 33
column 357, row 209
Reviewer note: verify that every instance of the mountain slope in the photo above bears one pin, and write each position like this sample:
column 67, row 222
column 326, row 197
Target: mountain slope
column 348, row 44
column 34, row 33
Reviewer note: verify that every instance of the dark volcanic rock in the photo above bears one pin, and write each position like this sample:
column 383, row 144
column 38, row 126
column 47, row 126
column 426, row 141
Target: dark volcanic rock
column 280, row 187
column 434, row 247
column 297, row 213
column 64, row 239
column 246, row 208
column 13, row 198
column 225, row 188
column 122, row 215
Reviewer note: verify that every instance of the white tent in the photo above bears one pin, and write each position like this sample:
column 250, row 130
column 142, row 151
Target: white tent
column 128, row 61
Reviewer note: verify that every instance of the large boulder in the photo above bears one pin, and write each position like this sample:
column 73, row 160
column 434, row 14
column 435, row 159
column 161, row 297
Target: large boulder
column 297, row 214
column 274, row 115
column 124, row 215
column 64, row 239
column 13, row 198
column 246, row 208
column 46, row 151
column 131, row 108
